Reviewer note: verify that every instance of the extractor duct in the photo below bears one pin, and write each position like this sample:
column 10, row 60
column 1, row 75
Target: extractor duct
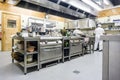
column 56, row 7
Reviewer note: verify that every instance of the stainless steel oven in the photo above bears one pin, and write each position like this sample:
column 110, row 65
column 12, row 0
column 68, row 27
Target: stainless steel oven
column 50, row 49
column 76, row 46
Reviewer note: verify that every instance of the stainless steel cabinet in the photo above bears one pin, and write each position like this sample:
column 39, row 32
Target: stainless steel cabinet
column 111, row 57
column 76, row 46
column 51, row 50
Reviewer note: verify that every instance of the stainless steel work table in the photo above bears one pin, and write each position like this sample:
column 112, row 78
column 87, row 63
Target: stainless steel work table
column 111, row 57
column 25, row 53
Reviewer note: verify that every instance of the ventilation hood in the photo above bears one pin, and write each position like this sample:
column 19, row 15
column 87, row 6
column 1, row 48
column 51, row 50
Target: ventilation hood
column 52, row 8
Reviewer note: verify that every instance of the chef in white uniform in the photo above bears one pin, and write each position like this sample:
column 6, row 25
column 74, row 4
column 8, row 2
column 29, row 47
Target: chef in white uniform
column 78, row 32
column 98, row 32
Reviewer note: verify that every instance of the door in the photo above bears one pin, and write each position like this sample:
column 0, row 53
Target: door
column 10, row 25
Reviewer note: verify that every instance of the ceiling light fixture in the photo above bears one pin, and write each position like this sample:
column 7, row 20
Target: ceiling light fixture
column 81, row 5
column 92, row 4
column 106, row 2
column 13, row 2
column 65, row 0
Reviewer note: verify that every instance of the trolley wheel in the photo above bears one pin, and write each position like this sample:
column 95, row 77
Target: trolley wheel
column 38, row 69
column 12, row 60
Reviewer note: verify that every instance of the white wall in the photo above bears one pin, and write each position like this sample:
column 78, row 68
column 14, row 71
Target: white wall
column 24, row 21
column 108, row 19
column 59, row 25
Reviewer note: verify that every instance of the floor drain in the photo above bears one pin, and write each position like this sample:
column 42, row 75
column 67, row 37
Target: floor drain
column 76, row 71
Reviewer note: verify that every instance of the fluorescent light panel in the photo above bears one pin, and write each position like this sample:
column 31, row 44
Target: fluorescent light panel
column 92, row 4
column 106, row 2
column 80, row 5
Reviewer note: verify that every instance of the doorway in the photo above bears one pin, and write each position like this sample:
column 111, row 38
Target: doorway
column 10, row 25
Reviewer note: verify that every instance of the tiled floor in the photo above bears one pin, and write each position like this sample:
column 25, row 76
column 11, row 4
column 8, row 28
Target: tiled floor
column 87, row 67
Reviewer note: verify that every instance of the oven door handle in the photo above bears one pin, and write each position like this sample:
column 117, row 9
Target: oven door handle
column 52, row 49
column 75, row 44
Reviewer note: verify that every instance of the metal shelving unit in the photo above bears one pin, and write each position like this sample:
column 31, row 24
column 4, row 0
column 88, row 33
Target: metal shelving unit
column 25, row 53
column 66, row 48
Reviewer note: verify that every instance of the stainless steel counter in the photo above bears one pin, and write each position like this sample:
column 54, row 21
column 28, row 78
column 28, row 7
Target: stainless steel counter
column 110, row 37
column 111, row 57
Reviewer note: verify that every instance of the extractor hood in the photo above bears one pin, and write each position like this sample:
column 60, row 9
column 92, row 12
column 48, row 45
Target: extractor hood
column 53, row 8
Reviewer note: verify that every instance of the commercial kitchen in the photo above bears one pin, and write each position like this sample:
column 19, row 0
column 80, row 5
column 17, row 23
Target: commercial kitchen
column 59, row 39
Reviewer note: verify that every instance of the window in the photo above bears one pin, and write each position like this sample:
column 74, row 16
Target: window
column 11, row 23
